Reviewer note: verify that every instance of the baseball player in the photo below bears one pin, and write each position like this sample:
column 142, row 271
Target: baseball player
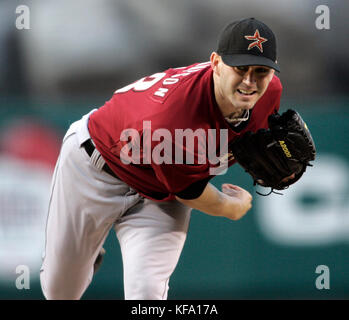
column 121, row 165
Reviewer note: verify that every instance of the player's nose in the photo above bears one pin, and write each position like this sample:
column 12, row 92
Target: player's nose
column 249, row 78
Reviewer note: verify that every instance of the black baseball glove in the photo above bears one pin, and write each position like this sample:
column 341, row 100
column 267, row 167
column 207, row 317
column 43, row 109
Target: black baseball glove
column 271, row 155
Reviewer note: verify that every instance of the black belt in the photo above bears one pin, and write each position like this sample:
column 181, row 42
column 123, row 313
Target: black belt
column 89, row 147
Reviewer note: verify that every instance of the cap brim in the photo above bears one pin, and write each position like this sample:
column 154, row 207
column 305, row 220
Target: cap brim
column 237, row 60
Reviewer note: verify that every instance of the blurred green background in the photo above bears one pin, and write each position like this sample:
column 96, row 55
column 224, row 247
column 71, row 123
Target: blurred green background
column 73, row 58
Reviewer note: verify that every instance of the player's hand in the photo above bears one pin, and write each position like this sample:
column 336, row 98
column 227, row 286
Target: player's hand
column 241, row 200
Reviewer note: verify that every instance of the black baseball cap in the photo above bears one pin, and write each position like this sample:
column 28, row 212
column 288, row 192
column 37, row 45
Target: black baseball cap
column 248, row 42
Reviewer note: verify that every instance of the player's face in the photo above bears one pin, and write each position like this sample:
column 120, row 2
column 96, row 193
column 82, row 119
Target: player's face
column 239, row 88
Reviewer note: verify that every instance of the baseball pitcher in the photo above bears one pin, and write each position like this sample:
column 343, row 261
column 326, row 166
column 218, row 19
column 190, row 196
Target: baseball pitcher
column 144, row 160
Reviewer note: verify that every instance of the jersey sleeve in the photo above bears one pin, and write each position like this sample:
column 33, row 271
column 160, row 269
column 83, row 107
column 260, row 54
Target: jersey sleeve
column 177, row 178
column 194, row 190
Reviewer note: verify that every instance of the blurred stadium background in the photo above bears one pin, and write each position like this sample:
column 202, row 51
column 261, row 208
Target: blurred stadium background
column 77, row 53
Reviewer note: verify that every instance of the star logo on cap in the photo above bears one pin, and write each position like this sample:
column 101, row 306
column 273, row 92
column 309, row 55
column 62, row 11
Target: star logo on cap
column 258, row 40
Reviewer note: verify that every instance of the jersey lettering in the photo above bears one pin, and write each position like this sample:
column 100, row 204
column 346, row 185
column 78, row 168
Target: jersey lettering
column 147, row 82
column 143, row 84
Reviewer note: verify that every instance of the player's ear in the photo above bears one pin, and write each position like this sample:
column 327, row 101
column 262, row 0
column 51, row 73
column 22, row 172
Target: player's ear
column 215, row 60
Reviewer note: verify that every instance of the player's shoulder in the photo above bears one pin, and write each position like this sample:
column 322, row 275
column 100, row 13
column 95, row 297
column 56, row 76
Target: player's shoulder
column 189, row 72
column 192, row 68
column 184, row 83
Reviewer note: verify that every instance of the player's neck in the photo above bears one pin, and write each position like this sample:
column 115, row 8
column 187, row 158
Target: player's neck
column 226, row 107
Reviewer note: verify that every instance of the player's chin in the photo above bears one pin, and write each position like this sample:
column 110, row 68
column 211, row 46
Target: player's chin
column 243, row 103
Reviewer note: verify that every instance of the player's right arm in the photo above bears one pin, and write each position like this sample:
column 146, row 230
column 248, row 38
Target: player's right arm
column 232, row 202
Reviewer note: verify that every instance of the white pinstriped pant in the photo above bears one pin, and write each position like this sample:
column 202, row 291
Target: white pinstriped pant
column 85, row 204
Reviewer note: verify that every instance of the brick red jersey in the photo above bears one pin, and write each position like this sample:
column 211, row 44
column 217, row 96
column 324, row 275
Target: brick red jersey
column 155, row 109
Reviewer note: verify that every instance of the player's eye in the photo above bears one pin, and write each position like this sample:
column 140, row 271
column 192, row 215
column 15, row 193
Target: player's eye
column 262, row 71
column 241, row 69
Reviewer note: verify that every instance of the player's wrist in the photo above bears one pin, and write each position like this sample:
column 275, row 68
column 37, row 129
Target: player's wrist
column 234, row 208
